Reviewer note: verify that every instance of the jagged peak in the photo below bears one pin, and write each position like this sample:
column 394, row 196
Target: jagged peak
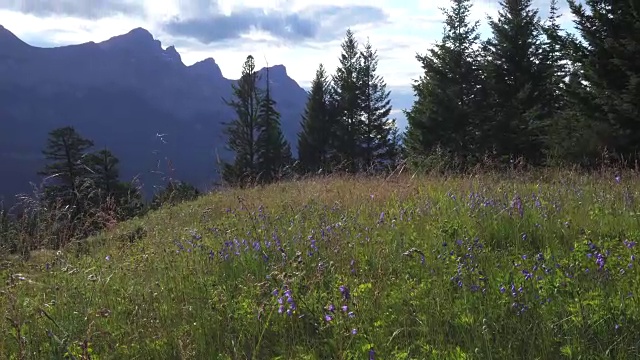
column 173, row 54
column 138, row 37
column 275, row 70
column 206, row 66
column 139, row 33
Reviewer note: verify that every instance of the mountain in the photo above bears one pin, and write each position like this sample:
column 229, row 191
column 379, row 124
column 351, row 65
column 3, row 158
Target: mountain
column 122, row 93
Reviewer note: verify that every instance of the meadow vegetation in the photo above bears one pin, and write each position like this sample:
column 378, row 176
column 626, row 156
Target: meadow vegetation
column 489, row 266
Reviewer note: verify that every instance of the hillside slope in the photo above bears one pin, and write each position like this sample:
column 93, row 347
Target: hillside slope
column 495, row 266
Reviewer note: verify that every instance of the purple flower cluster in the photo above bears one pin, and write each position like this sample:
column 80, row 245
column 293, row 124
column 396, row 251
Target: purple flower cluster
column 468, row 270
column 286, row 303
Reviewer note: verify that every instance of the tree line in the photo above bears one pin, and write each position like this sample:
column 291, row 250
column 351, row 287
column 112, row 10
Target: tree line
column 345, row 125
column 532, row 94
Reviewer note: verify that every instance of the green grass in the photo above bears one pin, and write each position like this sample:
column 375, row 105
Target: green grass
column 436, row 268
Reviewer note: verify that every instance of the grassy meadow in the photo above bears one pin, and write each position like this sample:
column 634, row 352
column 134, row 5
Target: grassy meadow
column 490, row 266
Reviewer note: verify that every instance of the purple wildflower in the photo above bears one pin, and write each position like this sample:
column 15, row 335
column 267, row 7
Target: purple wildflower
column 345, row 292
column 600, row 260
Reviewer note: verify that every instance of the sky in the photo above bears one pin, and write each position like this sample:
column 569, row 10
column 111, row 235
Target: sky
column 299, row 34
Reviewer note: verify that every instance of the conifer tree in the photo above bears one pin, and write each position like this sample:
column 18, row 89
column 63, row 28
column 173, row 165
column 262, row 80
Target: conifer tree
column 315, row 138
column 274, row 152
column 66, row 152
column 105, row 176
column 346, row 99
column 104, row 171
column 445, row 113
column 516, row 80
column 243, row 131
column 376, row 135
column 608, row 57
column 554, row 105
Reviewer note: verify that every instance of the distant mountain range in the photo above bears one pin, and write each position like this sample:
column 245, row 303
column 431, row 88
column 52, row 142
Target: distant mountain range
column 128, row 94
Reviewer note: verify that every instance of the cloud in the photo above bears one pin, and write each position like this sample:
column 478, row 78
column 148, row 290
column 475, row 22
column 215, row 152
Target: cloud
column 319, row 23
column 92, row 9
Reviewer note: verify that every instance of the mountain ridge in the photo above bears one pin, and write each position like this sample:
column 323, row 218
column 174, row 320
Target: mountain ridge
column 120, row 93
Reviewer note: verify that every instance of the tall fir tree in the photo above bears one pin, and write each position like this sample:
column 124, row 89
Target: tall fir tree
column 516, row 80
column 105, row 175
column 445, row 113
column 377, row 147
column 346, row 99
column 608, row 57
column 554, row 105
column 243, row 131
column 66, row 152
column 274, row 152
column 315, row 139
column 104, row 171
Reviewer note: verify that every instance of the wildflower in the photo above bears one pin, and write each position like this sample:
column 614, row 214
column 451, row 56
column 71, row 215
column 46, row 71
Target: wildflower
column 331, row 308
column 600, row 260
column 328, row 318
column 108, row 257
column 354, row 331
column 351, row 314
column 372, row 354
column 345, row 292
column 345, row 308
column 502, row 289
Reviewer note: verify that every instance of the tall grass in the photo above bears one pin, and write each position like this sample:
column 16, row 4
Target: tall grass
column 493, row 266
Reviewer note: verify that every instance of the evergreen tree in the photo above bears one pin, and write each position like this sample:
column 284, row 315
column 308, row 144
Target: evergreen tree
column 66, row 152
column 315, row 138
column 608, row 57
column 346, row 99
column 125, row 197
column 243, row 131
column 104, row 172
column 445, row 113
column 376, row 143
column 274, row 152
column 554, row 106
column 516, row 80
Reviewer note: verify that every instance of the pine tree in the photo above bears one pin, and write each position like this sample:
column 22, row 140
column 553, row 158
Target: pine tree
column 66, row 152
column 243, row 131
column 376, row 143
column 445, row 113
column 315, row 138
column 104, row 171
column 609, row 60
column 554, row 104
column 104, row 174
column 273, row 151
column 516, row 79
column 346, row 99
